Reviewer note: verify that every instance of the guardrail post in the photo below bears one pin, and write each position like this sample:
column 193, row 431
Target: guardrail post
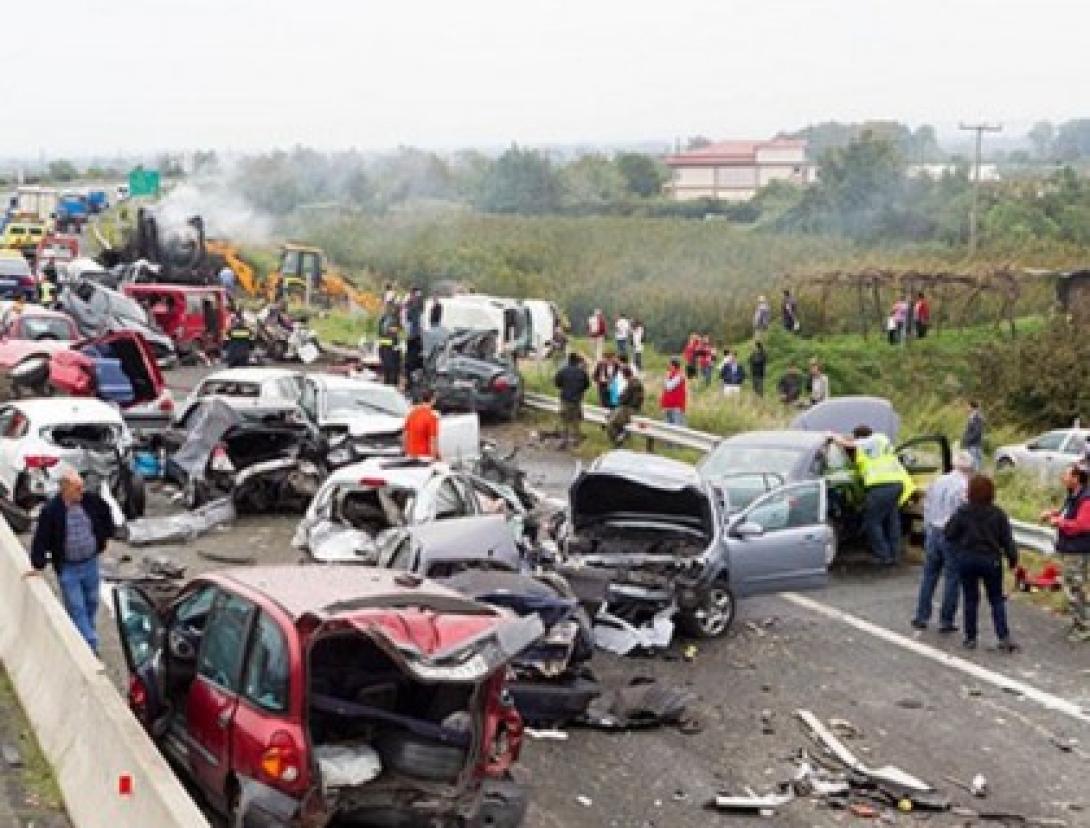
column 650, row 444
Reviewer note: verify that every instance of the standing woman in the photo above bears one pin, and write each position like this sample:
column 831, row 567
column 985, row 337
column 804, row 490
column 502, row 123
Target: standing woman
column 981, row 533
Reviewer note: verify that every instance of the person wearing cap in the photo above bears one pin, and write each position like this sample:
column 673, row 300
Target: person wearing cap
column 944, row 496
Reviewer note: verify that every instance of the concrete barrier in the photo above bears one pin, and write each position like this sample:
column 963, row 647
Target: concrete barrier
column 84, row 727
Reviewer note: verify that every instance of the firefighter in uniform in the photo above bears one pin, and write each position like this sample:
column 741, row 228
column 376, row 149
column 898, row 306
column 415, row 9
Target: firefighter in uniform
column 240, row 341
column 389, row 330
column 886, row 488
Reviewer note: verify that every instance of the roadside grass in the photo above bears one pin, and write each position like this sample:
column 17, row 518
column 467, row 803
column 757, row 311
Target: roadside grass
column 36, row 773
column 342, row 327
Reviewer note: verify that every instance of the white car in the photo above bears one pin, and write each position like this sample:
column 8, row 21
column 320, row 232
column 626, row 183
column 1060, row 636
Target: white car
column 357, row 503
column 38, row 436
column 359, row 417
column 1047, row 454
column 248, row 388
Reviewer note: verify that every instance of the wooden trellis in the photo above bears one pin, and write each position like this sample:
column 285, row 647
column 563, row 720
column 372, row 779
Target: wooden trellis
column 949, row 291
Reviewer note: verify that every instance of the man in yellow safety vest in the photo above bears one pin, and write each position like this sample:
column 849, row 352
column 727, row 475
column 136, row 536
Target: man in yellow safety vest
column 886, row 486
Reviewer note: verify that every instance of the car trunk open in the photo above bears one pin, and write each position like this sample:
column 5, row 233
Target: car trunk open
column 118, row 368
column 395, row 726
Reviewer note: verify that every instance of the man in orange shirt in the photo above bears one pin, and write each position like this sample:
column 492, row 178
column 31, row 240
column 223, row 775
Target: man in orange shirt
column 422, row 428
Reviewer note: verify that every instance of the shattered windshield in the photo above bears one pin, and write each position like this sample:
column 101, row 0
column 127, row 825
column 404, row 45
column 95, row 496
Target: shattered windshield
column 366, row 401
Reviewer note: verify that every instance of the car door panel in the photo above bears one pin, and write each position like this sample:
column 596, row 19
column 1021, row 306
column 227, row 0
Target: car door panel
column 790, row 553
column 142, row 633
column 212, row 700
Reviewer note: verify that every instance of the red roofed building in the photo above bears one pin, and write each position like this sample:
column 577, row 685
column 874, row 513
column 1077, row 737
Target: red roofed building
column 736, row 170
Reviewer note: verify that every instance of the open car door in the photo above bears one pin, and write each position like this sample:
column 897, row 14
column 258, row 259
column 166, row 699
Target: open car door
column 925, row 458
column 782, row 541
column 142, row 633
column 117, row 367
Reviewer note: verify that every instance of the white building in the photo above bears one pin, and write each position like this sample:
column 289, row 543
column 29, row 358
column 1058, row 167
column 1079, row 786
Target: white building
column 988, row 172
column 736, row 170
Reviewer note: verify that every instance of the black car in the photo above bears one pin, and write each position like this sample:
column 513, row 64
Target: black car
column 463, row 371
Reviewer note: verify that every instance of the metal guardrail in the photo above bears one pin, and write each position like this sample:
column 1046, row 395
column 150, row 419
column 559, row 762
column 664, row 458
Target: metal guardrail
column 652, row 430
column 1027, row 535
column 1031, row 536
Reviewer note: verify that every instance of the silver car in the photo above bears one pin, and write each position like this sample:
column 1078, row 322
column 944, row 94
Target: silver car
column 1047, row 454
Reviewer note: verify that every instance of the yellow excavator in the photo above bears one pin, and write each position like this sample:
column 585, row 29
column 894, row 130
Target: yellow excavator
column 300, row 263
column 247, row 279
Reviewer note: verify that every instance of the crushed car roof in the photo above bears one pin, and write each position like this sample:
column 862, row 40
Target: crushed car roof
column 335, row 590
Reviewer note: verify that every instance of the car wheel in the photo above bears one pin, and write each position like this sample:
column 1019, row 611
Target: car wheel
column 136, row 496
column 715, row 613
column 420, row 758
column 1003, row 464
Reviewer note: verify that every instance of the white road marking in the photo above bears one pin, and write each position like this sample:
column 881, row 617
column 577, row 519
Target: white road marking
column 1041, row 697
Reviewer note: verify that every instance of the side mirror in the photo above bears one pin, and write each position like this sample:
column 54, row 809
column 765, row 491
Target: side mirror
column 748, row 529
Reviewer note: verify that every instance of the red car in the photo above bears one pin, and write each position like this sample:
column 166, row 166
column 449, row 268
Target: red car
column 191, row 315
column 294, row 696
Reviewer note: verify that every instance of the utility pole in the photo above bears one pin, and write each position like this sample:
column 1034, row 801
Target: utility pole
column 979, row 129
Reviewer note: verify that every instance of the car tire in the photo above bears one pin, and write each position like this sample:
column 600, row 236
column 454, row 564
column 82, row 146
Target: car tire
column 715, row 614
column 420, row 758
column 136, row 496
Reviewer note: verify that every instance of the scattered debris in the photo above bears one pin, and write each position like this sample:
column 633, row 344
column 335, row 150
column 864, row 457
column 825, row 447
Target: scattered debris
column 766, row 723
column 182, row 528
column 863, row 810
column 979, row 786
column 845, row 729
column 642, row 704
column 240, row 559
column 585, row 801
column 910, row 704
column 836, row 748
column 615, row 635
column 551, row 735
column 11, row 755
column 751, row 803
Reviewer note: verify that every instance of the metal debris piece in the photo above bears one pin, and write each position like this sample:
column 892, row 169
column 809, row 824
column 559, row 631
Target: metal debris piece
column 887, row 773
column 585, row 801
column 845, row 729
column 552, row 735
column 979, row 786
column 12, row 757
column 751, row 803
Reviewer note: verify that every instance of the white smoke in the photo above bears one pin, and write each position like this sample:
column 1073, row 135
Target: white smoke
column 226, row 214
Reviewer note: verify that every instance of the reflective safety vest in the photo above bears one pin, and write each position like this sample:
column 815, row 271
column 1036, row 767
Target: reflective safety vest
column 47, row 291
column 240, row 333
column 878, row 465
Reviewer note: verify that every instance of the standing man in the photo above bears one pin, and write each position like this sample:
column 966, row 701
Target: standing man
column 628, row 406
column 758, row 361
column 622, row 330
column 596, row 330
column 240, row 342
column 637, row 345
column 972, row 439
column 944, row 497
column 762, row 317
column 731, row 373
column 421, row 433
column 414, row 333
column 921, row 314
column 886, row 485
column 389, row 330
column 818, row 382
column 1072, row 523
column 73, row 530
column 572, row 382
column 674, row 394
column 789, row 310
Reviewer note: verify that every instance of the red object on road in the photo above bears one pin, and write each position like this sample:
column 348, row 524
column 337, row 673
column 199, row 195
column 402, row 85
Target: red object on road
column 1050, row 577
column 124, row 785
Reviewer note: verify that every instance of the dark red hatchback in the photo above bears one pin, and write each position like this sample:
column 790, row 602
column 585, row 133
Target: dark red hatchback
column 303, row 695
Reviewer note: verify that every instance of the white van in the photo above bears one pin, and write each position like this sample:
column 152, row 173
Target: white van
column 509, row 318
column 544, row 317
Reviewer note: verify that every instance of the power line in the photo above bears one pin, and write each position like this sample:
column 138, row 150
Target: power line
column 979, row 129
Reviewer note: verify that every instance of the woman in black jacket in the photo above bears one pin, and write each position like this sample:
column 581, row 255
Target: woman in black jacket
column 981, row 533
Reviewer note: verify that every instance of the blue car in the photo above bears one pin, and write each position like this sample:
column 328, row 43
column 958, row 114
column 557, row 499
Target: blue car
column 16, row 280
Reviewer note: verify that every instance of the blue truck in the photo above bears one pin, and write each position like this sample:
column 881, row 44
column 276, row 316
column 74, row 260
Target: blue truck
column 97, row 201
column 71, row 213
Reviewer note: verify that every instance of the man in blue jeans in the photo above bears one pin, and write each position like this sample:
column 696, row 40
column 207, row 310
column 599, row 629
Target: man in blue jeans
column 943, row 498
column 73, row 530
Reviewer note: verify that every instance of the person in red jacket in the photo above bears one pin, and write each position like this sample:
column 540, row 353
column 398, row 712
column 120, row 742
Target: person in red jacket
column 674, row 394
column 921, row 315
column 1072, row 523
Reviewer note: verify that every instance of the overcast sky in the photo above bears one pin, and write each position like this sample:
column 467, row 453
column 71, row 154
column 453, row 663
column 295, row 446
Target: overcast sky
column 100, row 76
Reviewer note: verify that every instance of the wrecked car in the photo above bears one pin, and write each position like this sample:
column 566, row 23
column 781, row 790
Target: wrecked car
column 359, row 502
column 38, row 436
column 670, row 545
column 264, row 458
column 248, row 388
column 466, row 375
column 749, row 464
column 300, row 695
column 478, row 556
column 98, row 310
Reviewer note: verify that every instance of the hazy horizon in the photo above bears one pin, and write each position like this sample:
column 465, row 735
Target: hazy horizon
column 244, row 75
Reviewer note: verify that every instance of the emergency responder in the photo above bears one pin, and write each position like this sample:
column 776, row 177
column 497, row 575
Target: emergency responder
column 887, row 487
column 47, row 287
column 1072, row 523
column 389, row 330
column 240, row 341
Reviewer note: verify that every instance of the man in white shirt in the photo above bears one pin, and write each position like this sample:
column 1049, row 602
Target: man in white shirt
column 622, row 329
column 944, row 497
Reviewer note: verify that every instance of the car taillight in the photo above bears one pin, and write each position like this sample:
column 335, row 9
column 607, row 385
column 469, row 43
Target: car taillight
column 40, row 461
column 138, row 697
column 166, row 404
column 221, row 462
column 373, row 482
column 500, row 383
column 280, row 760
